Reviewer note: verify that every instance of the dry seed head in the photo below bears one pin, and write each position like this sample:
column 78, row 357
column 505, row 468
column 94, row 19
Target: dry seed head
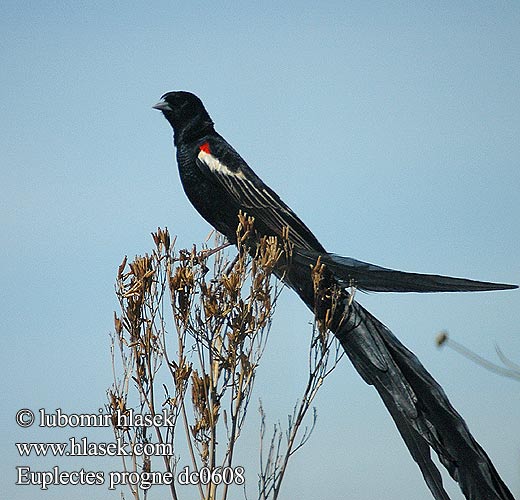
column 141, row 267
column 182, row 373
column 232, row 283
column 245, row 364
column 117, row 324
column 182, row 279
column 121, row 268
column 199, row 391
column 441, row 338
column 245, row 227
column 268, row 253
column 211, row 306
column 161, row 239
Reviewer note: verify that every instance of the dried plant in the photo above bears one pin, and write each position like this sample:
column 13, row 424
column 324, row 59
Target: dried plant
column 508, row 368
column 273, row 463
column 187, row 343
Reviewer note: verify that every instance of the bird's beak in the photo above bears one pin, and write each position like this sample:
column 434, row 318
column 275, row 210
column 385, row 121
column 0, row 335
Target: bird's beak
column 162, row 106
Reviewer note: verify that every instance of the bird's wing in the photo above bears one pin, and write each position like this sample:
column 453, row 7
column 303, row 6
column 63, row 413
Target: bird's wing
column 369, row 277
column 258, row 200
column 253, row 196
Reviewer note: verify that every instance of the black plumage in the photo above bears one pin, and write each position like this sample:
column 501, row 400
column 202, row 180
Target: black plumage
column 219, row 183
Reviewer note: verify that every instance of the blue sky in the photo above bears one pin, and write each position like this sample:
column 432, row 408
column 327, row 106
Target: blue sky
column 390, row 127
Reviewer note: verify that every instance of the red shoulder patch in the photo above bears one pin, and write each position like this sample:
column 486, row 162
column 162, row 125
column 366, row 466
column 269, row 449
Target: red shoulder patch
column 205, row 147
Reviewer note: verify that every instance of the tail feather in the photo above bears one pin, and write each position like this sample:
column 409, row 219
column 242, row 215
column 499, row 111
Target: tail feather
column 432, row 422
column 398, row 396
column 365, row 276
column 419, row 407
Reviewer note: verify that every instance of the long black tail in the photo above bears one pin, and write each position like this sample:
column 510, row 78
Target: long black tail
column 364, row 276
column 421, row 410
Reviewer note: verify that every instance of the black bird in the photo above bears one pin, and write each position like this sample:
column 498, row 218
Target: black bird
column 219, row 184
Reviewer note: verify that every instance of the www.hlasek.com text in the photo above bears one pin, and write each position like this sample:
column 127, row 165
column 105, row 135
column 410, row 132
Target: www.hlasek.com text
column 82, row 447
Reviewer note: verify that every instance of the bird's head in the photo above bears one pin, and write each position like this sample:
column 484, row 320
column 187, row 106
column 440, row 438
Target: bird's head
column 186, row 114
